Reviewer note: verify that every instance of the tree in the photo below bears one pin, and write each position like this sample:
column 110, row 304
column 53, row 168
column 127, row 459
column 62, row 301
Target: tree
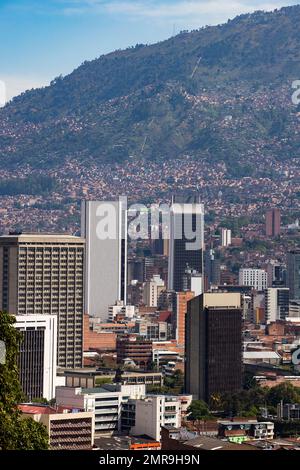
column 175, row 383
column 285, row 392
column 198, row 409
column 16, row 433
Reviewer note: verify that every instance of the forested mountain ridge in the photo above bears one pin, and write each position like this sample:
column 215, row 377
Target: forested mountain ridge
column 220, row 93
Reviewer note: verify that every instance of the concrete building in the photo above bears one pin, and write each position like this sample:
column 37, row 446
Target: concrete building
column 193, row 281
column 256, row 278
column 213, row 345
column 276, row 304
column 120, row 309
column 294, row 309
column 43, row 274
column 137, row 349
column 90, row 378
column 155, row 411
column 273, row 221
column 104, row 402
column 293, row 274
column 37, row 355
column 186, row 240
column 104, row 226
column 225, row 237
column 288, row 411
column 236, row 431
column 152, row 291
column 178, row 317
column 152, row 330
column 67, row 429
column 262, row 356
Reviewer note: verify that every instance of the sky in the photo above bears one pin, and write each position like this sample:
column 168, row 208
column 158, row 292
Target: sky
column 41, row 39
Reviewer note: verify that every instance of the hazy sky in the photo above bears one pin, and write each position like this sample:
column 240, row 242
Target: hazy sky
column 40, row 39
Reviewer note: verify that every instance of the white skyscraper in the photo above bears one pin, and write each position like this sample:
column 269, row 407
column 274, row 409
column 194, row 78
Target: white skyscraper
column 256, row 278
column 104, row 226
column 37, row 355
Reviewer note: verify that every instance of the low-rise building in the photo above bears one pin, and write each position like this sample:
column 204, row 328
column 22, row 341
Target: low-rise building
column 104, row 402
column 68, row 429
column 288, row 411
column 155, row 411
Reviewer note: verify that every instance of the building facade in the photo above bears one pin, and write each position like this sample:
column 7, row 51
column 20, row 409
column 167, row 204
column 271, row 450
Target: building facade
column 276, row 304
column 137, row 349
column 104, row 402
column 104, row 226
column 155, row 411
column 293, row 274
column 44, row 275
column 273, row 221
column 67, row 429
column 256, row 278
column 37, row 355
column 178, row 317
column 213, row 345
column 186, row 240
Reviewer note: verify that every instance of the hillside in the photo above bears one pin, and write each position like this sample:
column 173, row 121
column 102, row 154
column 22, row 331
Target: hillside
column 221, row 93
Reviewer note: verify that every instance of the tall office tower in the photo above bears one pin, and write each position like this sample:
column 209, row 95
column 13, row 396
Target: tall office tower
column 293, row 274
column 212, row 269
column 256, row 278
column 273, row 221
column 37, row 355
column 226, row 237
column 178, row 316
column 213, row 345
column 277, row 303
column 43, row 274
column 186, row 239
column 104, row 226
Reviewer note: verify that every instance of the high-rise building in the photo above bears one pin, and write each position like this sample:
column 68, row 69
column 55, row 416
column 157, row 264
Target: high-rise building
column 212, row 268
column 186, row 240
column 178, row 317
column 273, row 221
column 256, row 278
column 104, row 226
column 276, row 303
column 37, row 355
column 213, row 345
column 226, row 237
column 293, row 274
column 43, row 274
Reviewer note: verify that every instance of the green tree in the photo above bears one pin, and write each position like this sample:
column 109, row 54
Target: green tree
column 285, row 392
column 198, row 409
column 16, row 433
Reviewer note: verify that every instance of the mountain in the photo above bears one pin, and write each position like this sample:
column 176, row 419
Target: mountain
column 221, row 94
